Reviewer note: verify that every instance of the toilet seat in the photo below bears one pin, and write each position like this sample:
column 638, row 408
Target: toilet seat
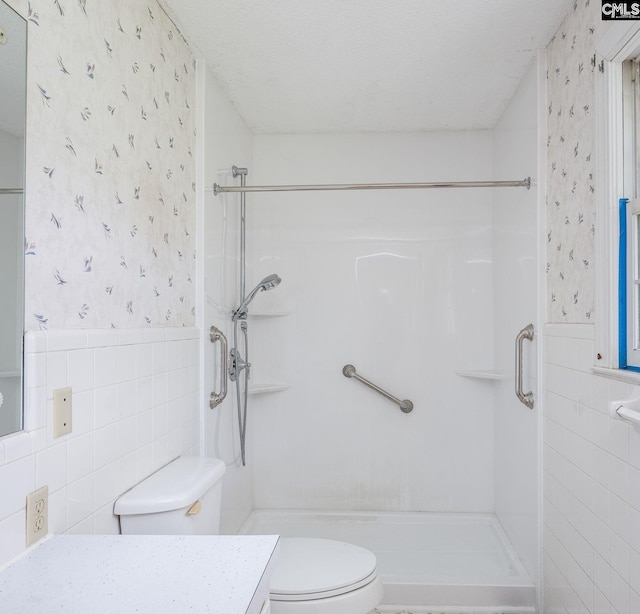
column 323, row 571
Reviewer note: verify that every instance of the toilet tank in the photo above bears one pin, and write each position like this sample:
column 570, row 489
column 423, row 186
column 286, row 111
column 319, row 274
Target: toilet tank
column 181, row 498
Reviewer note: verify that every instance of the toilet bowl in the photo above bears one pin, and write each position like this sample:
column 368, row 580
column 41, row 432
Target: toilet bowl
column 312, row 576
column 323, row 576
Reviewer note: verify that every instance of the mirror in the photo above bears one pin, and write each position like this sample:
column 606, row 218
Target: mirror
column 13, row 73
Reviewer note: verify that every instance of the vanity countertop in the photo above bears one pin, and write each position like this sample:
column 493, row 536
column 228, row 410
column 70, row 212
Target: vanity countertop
column 115, row 574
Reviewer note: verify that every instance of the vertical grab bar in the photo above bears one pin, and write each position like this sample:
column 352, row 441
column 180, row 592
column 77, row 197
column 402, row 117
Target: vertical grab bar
column 215, row 398
column 525, row 397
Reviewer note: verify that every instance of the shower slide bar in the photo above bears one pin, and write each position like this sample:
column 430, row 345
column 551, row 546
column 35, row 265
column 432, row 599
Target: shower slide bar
column 215, row 398
column 350, row 371
column 524, row 183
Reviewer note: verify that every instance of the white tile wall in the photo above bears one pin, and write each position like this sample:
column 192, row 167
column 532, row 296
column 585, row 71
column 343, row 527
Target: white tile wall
column 135, row 407
column 591, row 484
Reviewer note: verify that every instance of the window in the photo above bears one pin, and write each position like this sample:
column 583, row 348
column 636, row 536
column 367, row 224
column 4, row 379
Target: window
column 618, row 203
column 629, row 286
column 629, row 224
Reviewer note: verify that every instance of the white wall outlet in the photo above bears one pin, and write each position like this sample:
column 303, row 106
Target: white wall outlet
column 37, row 515
column 61, row 411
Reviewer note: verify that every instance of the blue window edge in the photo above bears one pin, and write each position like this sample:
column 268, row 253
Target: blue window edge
column 622, row 284
column 622, row 289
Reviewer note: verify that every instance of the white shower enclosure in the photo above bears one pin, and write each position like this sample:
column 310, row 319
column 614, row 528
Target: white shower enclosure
column 424, row 291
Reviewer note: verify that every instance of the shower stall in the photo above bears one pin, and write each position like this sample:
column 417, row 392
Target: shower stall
column 424, row 292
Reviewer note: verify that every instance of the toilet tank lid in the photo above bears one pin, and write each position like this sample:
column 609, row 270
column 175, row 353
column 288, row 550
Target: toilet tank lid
column 174, row 486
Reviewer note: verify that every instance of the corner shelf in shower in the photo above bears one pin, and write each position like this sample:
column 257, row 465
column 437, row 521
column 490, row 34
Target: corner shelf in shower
column 269, row 314
column 267, row 388
column 488, row 374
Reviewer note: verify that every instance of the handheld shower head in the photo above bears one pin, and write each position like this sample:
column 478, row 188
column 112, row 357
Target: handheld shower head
column 268, row 283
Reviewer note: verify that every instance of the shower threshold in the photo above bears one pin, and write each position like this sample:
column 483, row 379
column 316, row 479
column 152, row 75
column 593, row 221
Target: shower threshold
column 424, row 559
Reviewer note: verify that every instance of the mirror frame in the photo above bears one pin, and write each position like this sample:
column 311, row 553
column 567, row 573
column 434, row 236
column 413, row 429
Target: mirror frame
column 15, row 422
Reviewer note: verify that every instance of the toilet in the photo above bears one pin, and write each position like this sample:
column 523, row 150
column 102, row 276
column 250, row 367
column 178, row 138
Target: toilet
column 324, row 576
column 312, row 576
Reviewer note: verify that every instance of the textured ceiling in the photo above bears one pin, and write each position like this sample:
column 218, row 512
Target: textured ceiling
column 293, row 66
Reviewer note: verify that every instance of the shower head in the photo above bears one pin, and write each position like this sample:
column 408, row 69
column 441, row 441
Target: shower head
column 268, row 283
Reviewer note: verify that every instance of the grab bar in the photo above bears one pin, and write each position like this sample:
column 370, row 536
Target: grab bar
column 215, row 398
column 350, row 371
column 525, row 397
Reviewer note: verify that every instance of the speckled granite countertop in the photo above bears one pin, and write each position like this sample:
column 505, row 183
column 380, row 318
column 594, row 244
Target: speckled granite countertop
column 109, row 574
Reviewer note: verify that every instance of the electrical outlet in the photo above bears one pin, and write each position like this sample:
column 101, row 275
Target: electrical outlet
column 61, row 412
column 37, row 515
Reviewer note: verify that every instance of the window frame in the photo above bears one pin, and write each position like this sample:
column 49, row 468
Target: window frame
column 620, row 42
column 629, row 285
column 628, row 220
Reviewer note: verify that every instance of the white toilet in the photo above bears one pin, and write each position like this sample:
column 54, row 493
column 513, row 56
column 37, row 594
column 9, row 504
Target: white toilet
column 312, row 576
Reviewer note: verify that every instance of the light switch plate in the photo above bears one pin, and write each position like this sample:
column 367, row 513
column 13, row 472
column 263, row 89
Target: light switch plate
column 61, row 412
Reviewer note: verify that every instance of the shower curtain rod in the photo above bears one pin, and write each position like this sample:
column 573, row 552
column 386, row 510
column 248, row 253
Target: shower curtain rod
column 525, row 183
column 10, row 190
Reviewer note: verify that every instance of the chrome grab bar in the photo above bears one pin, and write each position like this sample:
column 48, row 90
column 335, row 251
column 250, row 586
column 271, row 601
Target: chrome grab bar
column 215, row 398
column 350, row 371
column 525, row 397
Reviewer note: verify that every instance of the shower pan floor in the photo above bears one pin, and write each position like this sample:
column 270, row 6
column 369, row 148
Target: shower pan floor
column 424, row 559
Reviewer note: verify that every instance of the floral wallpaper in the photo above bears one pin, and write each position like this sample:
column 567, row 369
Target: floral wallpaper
column 571, row 206
column 110, row 173
column 110, row 199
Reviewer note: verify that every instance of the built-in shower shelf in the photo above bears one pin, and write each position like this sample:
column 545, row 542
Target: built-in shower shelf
column 489, row 374
column 267, row 388
column 268, row 314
